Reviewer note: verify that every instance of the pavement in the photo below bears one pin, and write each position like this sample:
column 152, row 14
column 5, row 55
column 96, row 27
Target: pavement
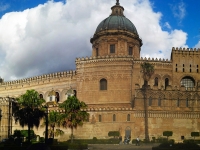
column 120, row 146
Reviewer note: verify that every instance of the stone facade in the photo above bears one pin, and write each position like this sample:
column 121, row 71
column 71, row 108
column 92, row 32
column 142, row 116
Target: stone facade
column 110, row 83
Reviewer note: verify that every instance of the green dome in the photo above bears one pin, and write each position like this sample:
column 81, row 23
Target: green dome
column 116, row 23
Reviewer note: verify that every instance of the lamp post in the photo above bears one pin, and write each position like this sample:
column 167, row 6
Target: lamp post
column 46, row 129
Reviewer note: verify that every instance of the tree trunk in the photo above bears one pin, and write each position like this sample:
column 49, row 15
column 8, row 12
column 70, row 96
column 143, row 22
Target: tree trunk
column 29, row 133
column 146, row 111
column 53, row 131
column 72, row 135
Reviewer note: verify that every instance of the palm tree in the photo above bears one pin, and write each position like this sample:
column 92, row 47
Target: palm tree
column 28, row 111
column 53, row 120
column 74, row 115
column 147, row 70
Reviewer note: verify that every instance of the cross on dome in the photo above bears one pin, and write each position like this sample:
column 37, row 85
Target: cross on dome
column 117, row 2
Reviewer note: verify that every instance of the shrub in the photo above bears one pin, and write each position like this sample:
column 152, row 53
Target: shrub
column 195, row 134
column 167, row 133
column 94, row 138
column 41, row 139
column 113, row 133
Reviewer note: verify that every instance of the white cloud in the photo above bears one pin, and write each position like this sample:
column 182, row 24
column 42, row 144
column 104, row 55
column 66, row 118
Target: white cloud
column 4, row 7
column 49, row 37
column 167, row 25
column 179, row 11
column 197, row 45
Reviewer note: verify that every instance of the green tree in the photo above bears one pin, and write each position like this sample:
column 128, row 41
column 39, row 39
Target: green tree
column 74, row 115
column 195, row 134
column 147, row 71
column 167, row 134
column 28, row 110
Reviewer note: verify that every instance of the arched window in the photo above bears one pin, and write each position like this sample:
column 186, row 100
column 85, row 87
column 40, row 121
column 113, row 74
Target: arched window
column 159, row 101
column 156, row 81
column 103, row 84
column 128, row 117
column 50, row 98
column 166, row 82
column 178, row 102
column 114, row 117
column 150, row 101
column 130, row 50
column 75, row 93
column 41, row 96
column 99, row 118
column 112, row 48
column 57, row 97
column 187, row 102
column 188, row 82
column 97, row 52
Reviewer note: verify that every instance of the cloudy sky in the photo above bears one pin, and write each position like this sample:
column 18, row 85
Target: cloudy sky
column 40, row 36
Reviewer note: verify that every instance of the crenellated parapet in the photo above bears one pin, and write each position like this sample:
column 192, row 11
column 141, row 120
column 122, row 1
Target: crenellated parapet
column 40, row 78
column 153, row 61
column 103, row 58
column 185, row 50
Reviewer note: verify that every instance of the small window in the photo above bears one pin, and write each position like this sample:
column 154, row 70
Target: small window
column 99, row 118
column 178, row 102
column 156, row 81
column 41, row 96
column 57, row 97
column 128, row 117
column 50, row 98
column 190, row 65
column 183, row 70
column 97, row 52
column 75, row 93
column 130, row 51
column 150, row 101
column 159, row 101
column 103, row 84
column 183, row 65
column 197, row 66
column 114, row 117
column 197, row 70
column 176, row 65
column 112, row 48
column 166, row 82
column 187, row 102
column 176, row 69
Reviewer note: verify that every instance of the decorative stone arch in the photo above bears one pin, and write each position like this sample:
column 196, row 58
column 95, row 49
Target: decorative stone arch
column 153, row 78
column 167, row 80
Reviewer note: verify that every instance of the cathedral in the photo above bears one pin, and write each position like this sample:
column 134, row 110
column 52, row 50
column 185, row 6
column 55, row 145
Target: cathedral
column 110, row 82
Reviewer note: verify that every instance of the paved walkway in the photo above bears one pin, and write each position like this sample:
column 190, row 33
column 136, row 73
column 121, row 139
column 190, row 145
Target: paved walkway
column 120, row 147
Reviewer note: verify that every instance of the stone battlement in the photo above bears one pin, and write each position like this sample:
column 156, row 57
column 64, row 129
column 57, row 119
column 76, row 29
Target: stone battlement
column 40, row 78
column 103, row 57
column 153, row 59
column 189, row 50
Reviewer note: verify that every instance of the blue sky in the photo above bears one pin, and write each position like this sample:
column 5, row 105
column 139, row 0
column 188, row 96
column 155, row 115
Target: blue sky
column 40, row 37
column 181, row 14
